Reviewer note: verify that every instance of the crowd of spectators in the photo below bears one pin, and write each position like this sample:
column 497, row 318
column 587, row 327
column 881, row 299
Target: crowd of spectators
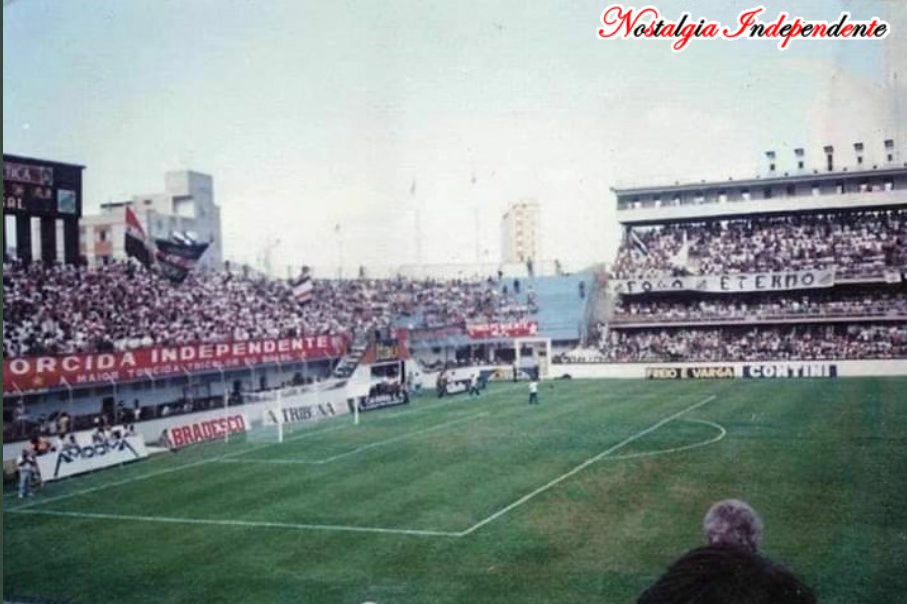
column 62, row 309
column 853, row 243
column 803, row 342
column 761, row 307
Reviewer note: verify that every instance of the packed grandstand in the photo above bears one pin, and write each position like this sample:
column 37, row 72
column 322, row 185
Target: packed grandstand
column 741, row 284
column 857, row 311
column 64, row 309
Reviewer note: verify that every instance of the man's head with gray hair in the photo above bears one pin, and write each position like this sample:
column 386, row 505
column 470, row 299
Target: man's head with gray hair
column 733, row 522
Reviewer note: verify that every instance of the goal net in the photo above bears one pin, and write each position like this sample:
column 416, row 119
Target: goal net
column 287, row 411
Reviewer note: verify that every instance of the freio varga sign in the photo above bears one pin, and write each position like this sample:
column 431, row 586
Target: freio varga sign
column 716, row 372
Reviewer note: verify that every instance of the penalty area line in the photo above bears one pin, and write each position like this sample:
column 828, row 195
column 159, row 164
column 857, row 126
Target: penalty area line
column 360, row 449
column 117, row 483
column 26, row 509
column 579, row 468
column 238, row 523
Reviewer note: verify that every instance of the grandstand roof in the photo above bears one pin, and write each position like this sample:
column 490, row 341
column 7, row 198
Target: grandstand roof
column 756, row 181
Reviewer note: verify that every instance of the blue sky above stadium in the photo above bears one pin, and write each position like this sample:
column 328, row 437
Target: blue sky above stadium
column 312, row 114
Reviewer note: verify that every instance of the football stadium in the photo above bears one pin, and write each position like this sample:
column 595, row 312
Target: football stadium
column 711, row 410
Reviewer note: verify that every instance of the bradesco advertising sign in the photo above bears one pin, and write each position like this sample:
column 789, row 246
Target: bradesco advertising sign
column 200, row 431
column 77, row 459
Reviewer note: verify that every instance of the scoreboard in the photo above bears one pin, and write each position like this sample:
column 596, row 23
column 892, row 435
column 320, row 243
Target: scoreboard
column 47, row 193
column 41, row 188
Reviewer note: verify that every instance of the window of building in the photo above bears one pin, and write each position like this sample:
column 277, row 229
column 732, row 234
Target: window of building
column 767, row 193
column 102, row 235
column 791, row 190
column 800, row 165
column 859, row 160
column 699, row 197
column 890, row 158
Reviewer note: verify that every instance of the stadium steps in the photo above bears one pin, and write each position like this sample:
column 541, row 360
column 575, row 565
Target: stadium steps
column 350, row 361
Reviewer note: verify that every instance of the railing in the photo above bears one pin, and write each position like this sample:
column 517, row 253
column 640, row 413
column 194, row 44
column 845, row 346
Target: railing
column 625, row 321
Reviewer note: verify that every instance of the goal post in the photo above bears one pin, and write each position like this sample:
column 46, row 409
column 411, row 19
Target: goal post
column 281, row 413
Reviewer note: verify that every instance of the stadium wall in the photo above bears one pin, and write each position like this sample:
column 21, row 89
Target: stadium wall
column 253, row 414
column 745, row 370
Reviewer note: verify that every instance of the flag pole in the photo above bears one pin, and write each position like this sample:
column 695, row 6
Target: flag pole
column 223, row 387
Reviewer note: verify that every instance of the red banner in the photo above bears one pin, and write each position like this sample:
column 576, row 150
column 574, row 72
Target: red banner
column 487, row 331
column 42, row 373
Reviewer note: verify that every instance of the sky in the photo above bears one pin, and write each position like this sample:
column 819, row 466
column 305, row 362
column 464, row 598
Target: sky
column 315, row 114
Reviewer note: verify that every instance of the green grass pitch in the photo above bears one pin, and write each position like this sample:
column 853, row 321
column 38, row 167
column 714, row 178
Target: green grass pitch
column 584, row 498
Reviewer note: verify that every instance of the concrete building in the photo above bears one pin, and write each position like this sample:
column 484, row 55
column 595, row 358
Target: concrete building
column 860, row 176
column 186, row 205
column 520, row 233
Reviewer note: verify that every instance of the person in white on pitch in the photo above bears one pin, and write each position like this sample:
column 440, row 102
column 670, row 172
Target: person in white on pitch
column 474, row 385
column 533, row 392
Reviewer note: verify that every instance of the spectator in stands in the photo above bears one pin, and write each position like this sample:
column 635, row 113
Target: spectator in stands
column 40, row 445
column 733, row 523
column 64, row 423
column 725, row 575
column 69, row 442
column 865, row 303
column 55, row 309
column 21, row 417
column 809, row 342
column 729, row 569
column 99, row 436
column 857, row 242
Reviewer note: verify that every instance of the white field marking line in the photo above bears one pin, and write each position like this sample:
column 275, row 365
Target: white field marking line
column 193, row 464
column 721, row 434
column 225, row 456
column 240, row 523
column 357, row 449
column 583, row 466
column 394, row 531
column 415, row 410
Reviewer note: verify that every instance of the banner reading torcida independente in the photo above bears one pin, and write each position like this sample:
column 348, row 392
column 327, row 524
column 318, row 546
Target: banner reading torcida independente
column 43, row 372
